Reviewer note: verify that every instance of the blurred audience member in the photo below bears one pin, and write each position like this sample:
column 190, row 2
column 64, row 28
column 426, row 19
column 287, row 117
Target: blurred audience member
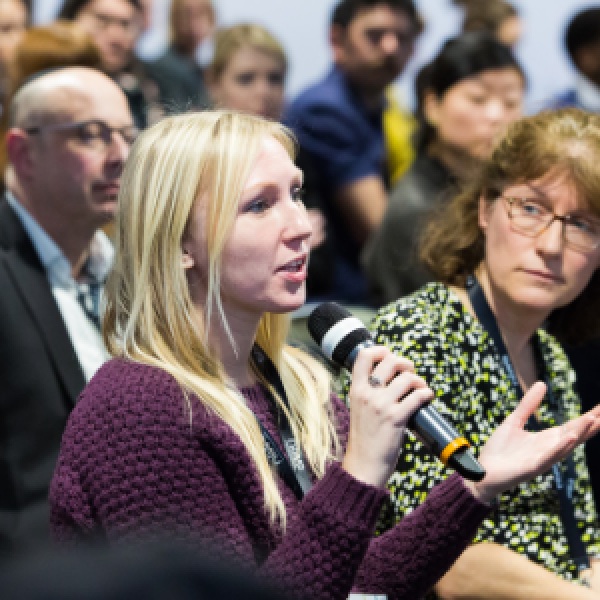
column 582, row 40
column 471, row 90
column 115, row 26
column 14, row 17
column 248, row 70
column 60, row 44
column 160, row 571
column 177, row 73
column 338, row 123
column 69, row 136
column 247, row 73
column 498, row 17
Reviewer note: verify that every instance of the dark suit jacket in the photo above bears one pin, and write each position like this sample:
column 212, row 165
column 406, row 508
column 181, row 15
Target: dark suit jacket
column 40, row 379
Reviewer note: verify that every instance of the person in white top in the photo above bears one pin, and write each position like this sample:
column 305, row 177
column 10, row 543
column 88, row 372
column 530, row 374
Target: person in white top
column 69, row 136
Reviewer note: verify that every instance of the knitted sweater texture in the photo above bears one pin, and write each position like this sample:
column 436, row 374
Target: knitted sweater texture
column 130, row 464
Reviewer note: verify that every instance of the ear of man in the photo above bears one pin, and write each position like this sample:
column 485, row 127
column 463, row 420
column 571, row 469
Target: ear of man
column 337, row 39
column 19, row 152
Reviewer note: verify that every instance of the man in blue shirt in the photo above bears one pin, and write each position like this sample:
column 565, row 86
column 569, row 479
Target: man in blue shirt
column 338, row 123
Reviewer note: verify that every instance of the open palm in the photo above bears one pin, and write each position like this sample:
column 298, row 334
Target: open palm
column 513, row 455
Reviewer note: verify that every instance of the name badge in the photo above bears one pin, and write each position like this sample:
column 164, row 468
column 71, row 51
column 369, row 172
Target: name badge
column 367, row 597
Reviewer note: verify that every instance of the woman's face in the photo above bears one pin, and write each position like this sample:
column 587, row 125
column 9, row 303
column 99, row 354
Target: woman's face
column 252, row 82
column 264, row 261
column 13, row 19
column 473, row 112
column 536, row 274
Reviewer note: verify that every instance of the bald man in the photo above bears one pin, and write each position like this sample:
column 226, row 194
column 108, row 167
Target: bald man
column 69, row 137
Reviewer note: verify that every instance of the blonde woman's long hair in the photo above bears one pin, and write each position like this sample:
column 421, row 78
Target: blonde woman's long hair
column 149, row 315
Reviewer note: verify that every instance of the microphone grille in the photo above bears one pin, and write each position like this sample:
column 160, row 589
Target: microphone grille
column 323, row 318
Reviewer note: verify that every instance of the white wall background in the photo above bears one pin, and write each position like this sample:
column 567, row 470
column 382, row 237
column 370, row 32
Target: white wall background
column 302, row 27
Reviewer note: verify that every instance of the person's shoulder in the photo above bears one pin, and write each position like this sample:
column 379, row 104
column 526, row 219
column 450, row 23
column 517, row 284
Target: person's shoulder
column 565, row 99
column 170, row 64
column 415, row 313
column 122, row 385
column 323, row 102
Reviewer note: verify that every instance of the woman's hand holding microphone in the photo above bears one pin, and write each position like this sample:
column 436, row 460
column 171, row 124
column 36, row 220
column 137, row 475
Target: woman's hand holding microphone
column 385, row 393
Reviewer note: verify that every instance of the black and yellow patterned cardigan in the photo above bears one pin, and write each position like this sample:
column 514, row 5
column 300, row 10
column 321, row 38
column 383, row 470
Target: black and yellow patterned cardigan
column 460, row 363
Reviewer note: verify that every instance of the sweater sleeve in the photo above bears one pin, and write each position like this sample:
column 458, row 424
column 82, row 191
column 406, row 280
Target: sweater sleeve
column 409, row 559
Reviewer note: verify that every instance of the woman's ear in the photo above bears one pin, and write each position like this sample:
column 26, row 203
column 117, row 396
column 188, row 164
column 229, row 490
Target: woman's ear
column 187, row 260
column 484, row 210
column 431, row 108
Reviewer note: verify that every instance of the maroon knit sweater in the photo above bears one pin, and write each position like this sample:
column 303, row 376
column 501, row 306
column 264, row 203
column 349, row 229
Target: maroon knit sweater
column 131, row 464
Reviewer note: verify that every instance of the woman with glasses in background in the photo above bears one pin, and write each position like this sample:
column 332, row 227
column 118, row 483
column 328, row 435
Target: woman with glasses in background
column 517, row 254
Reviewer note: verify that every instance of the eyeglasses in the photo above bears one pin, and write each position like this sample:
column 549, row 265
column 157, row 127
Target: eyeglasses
column 531, row 218
column 104, row 21
column 95, row 134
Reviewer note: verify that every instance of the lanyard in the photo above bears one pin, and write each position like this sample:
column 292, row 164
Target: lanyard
column 564, row 474
column 290, row 464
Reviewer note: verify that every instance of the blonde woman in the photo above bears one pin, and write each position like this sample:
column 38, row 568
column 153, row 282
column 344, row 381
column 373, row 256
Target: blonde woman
column 248, row 70
column 180, row 432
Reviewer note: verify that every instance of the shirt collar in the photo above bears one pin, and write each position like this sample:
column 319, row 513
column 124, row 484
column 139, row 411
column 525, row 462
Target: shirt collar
column 53, row 260
column 588, row 95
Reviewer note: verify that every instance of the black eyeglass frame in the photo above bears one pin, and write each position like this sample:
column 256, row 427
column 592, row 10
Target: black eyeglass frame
column 106, row 130
column 564, row 219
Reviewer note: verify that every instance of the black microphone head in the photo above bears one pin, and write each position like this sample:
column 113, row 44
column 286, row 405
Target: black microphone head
column 337, row 332
column 323, row 318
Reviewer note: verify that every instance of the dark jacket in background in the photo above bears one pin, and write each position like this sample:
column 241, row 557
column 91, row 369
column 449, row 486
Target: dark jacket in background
column 180, row 82
column 390, row 257
column 40, row 379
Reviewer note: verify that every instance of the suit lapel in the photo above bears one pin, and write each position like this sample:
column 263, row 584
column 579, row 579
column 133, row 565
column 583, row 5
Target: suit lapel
column 27, row 273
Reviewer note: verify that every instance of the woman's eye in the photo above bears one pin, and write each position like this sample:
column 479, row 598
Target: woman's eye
column 245, row 78
column 582, row 224
column 530, row 208
column 478, row 99
column 298, row 194
column 259, row 205
column 275, row 78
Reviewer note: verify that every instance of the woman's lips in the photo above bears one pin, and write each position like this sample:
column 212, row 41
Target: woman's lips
column 545, row 275
column 111, row 189
column 295, row 270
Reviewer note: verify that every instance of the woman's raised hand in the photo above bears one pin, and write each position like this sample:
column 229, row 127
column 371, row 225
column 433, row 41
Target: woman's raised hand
column 384, row 393
column 512, row 455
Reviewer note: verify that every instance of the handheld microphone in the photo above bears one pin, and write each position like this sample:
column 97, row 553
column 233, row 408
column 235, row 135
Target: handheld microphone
column 341, row 337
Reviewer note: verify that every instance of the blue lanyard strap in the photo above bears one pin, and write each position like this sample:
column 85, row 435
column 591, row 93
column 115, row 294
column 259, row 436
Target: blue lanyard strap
column 564, row 473
column 290, row 464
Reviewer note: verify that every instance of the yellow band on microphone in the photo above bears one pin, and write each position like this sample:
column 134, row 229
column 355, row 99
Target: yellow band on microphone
column 452, row 447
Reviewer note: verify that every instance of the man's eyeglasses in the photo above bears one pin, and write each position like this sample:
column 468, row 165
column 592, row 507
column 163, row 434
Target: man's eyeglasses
column 531, row 218
column 129, row 26
column 95, row 134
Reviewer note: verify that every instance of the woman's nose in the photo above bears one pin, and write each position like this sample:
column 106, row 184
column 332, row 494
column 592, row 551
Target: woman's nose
column 551, row 240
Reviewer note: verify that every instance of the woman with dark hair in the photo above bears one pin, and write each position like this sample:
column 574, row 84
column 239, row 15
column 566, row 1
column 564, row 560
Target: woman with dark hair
column 470, row 91
column 518, row 255
column 207, row 426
